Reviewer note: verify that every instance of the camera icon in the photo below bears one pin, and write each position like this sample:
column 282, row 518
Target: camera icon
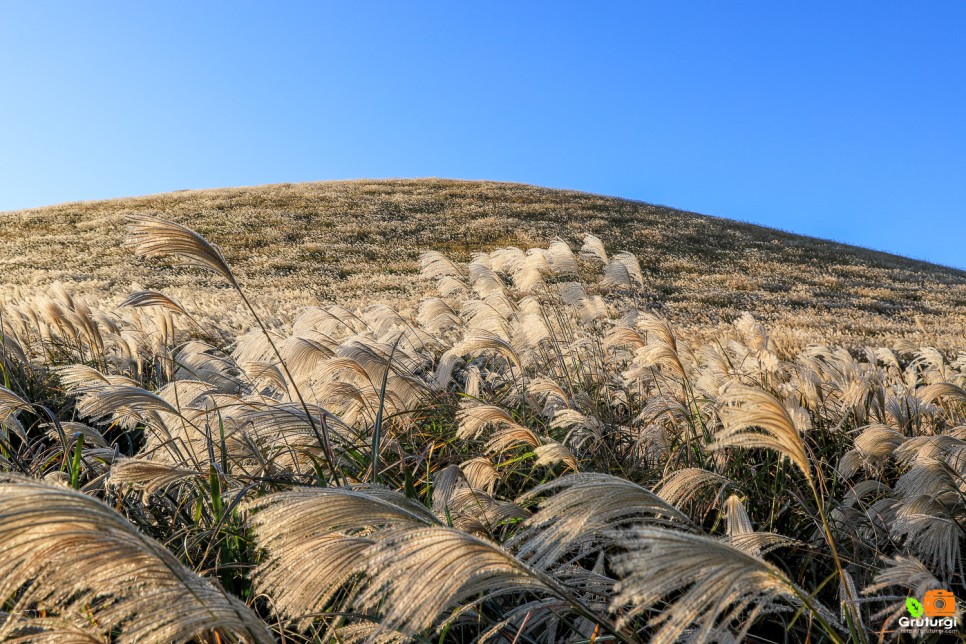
column 939, row 603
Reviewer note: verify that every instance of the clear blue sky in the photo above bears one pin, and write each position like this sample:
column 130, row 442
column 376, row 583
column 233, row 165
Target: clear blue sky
column 845, row 120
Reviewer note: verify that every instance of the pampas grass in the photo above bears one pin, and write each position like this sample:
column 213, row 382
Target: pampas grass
column 533, row 453
column 72, row 558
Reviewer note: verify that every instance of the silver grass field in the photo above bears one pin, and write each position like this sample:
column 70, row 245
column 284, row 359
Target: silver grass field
column 529, row 454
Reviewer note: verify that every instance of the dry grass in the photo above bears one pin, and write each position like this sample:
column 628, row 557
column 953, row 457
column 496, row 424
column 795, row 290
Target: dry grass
column 350, row 242
column 525, row 451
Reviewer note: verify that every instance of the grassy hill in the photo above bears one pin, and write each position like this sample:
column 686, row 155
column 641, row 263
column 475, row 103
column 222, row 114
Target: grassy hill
column 359, row 241
column 527, row 454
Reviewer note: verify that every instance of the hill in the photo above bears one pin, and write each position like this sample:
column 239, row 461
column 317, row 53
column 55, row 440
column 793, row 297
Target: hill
column 359, row 241
column 527, row 454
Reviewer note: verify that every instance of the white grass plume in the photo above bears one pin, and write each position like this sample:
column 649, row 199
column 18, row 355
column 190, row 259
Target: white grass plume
column 142, row 299
column 444, row 568
column 753, row 418
column 155, row 237
column 74, row 556
column 583, row 507
column 11, row 403
column 681, row 486
column 318, row 536
column 713, row 587
column 392, row 547
column 149, row 476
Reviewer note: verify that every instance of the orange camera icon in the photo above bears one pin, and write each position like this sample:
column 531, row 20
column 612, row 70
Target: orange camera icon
column 939, row 603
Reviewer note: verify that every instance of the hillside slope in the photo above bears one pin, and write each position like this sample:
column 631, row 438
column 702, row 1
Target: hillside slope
column 359, row 241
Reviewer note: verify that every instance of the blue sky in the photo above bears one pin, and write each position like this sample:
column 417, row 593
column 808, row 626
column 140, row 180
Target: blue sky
column 844, row 120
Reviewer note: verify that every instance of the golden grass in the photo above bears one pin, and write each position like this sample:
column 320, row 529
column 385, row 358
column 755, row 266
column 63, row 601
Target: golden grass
column 524, row 451
column 351, row 242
